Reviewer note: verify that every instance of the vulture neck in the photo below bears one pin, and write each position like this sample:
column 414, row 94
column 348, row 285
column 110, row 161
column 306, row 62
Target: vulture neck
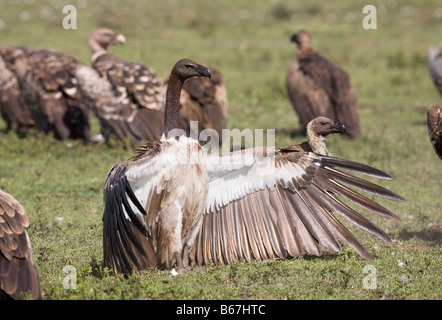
column 95, row 46
column 172, row 109
column 304, row 52
column 317, row 142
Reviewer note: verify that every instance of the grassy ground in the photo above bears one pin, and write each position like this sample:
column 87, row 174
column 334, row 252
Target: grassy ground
column 60, row 183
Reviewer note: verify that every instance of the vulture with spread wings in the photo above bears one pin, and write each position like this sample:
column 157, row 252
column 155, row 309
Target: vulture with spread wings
column 176, row 202
column 18, row 274
column 318, row 87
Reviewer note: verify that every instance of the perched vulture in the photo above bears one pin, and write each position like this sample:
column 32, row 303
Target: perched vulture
column 52, row 92
column 434, row 64
column 14, row 109
column 318, row 87
column 18, row 273
column 434, row 122
column 138, row 110
column 176, row 202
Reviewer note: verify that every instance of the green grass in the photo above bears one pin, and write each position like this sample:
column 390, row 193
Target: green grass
column 60, row 183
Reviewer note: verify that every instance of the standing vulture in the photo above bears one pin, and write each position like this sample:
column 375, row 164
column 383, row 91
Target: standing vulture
column 177, row 202
column 138, row 112
column 434, row 123
column 52, row 92
column 434, row 65
column 14, row 109
column 18, row 273
column 318, row 87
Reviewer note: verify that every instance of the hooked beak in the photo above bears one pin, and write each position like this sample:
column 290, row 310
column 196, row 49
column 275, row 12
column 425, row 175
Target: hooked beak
column 294, row 38
column 119, row 39
column 204, row 71
column 339, row 127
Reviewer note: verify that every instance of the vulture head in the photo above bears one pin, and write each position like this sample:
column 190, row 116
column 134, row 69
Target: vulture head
column 302, row 39
column 102, row 38
column 324, row 126
column 186, row 68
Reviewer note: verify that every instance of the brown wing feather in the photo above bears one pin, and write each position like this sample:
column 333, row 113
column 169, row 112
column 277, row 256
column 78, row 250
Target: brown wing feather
column 318, row 87
column 18, row 273
column 204, row 100
column 53, row 94
column 296, row 217
column 136, row 97
column 434, row 123
column 13, row 107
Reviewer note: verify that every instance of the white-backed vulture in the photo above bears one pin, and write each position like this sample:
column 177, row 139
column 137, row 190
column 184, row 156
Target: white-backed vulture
column 434, row 124
column 138, row 112
column 14, row 109
column 256, row 203
column 159, row 182
column 50, row 95
column 318, row 87
column 434, row 65
column 53, row 95
column 18, row 274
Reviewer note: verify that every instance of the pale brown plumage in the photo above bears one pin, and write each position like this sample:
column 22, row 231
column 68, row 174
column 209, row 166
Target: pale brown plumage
column 434, row 64
column 52, row 94
column 434, row 124
column 154, row 204
column 259, row 203
column 295, row 216
column 138, row 110
column 14, row 109
column 318, row 87
column 18, row 274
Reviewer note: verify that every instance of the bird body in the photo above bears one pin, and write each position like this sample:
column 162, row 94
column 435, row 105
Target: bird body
column 434, row 125
column 318, row 87
column 244, row 205
column 137, row 110
column 434, row 64
column 167, row 184
column 47, row 92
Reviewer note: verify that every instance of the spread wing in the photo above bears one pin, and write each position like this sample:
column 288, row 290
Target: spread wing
column 18, row 273
column 260, row 208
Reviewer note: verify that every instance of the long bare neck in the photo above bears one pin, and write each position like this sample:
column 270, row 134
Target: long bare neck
column 316, row 142
column 171, row 120
column 95, row 46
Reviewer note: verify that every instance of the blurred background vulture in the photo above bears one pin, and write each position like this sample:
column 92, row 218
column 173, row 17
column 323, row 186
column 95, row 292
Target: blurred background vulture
column 174, row 202
column 318, row 87
column 434, row 65
column 18, row 273
column 14, row 109
column 434, row 123
column 138, row 111
column 50, row 91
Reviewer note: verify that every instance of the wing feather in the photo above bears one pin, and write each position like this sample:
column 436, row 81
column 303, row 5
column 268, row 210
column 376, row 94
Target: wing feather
column 286, row 208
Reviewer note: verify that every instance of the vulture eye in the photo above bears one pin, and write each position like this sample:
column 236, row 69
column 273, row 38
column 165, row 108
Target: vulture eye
column 323, row 123
column 187, row 66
